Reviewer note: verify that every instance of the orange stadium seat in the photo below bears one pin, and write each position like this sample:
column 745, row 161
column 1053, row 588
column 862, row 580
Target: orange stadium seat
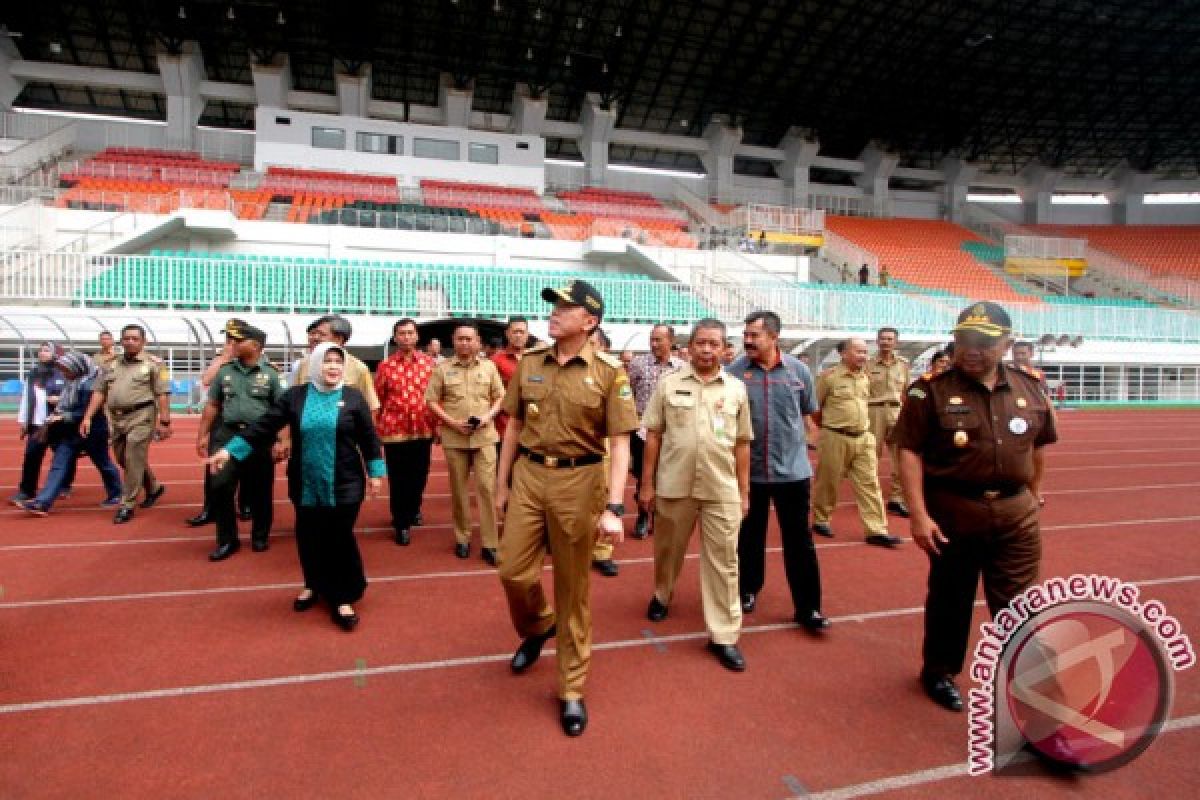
column 926, row 254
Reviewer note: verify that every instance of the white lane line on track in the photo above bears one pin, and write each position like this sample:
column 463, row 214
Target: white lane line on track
column 484, row 571
column 937, row 774
column 425, row 666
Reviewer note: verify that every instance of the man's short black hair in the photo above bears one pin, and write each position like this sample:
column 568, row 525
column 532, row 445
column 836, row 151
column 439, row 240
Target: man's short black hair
column 514, row 320
column 318, row 322
column 887, row 329
column 402, row 322
column 458, row 326
column 769, row 319
column 134, row 327
column 1024, row 343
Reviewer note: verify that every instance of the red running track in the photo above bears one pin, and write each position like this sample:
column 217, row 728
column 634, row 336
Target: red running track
column 131, row 667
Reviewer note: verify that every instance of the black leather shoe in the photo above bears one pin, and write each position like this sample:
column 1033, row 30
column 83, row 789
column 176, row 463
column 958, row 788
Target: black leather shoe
column 822, row 529
column 418, row 520
column 656, row 611
column 203, row 518
column 260, row 545
column 529, row 651
column 403, row 537
column 898, row 508
column 305, row 603
column 749, row 602
column 154, row 496
column 885, row 540
column 941, row 690
column 574, row 717
column 244, row 514
column 346, row 622
column 224, row 551
column 729, row 656
column 462, row 550
column 641, row 528
column 123, row 515
column 812, row 621
column 488, row 554
column 606, row 567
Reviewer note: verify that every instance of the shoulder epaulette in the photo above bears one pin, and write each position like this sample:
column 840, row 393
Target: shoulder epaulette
column 609, row 358
column 538, row 348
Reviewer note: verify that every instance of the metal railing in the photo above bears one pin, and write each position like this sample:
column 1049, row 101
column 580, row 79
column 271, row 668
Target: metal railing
column 311, row 285
column 1048, row 247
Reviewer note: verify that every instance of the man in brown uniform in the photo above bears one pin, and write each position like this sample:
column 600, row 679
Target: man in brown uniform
column 137, row 394
column 971, row 444
column 107, row 355
column 465, row 393
column 698, row 421
column 889, row 378
column 562, row 403
column 846, row 446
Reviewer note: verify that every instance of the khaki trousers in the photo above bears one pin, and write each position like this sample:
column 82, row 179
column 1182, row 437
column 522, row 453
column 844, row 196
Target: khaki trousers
column 674, row 520
column 562, row 506
column 883, row 420
column 131, row 436
column 839, row 455
column 460, row 463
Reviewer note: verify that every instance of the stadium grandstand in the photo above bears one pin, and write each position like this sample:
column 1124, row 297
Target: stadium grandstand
column 848, row 164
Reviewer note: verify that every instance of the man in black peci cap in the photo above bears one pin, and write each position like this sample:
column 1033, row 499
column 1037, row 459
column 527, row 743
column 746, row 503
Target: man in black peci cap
column 971, row 442
column 242, row 390
column 563, row 401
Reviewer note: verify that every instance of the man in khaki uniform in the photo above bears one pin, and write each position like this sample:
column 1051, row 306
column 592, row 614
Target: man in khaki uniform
column 562, row 403
column 137, row 393
column 846, row 446
column 337, row 330
column 465, row 393
column 107, row 354
column 888, row 373
column 698, row 429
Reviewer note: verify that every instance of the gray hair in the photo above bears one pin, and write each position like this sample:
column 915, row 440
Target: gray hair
column 340, row 327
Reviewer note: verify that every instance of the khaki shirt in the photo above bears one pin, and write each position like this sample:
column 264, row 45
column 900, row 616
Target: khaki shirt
column 842, row 396
column 105, row 362
column 466, row 389
column 356, row 375
column 967, row 434
column 700, row 423
column 131, row 382
column 888, row 381
column 568, row 411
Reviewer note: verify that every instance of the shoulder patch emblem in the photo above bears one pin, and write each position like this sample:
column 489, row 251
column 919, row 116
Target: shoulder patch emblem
column 917, row 393
column 623, row 390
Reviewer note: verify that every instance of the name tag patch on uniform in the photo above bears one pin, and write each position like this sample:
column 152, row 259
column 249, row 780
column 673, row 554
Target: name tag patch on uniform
column 961, row 438
column 1018, row 425
column 537, row 379
column 687, row 392
column 956, row 401
column 588, row 380
column 958, row 410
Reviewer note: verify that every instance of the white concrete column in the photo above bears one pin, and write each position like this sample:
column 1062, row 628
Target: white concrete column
column 528, row 112
column 1128, row 197
column 1037, row 191
column 181, row 77
column 723, row 139
column 455, row 103
column 878, row 166
column 272, row 82
column 596, row 125
column 800, row 147
column 959, row 174
column 10, row 86
column 353, row 90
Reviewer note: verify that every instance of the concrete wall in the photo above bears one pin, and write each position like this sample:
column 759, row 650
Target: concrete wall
column 284, row 138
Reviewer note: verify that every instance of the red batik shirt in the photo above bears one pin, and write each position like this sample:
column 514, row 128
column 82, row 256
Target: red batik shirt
column 400, row 382
column 506, row 363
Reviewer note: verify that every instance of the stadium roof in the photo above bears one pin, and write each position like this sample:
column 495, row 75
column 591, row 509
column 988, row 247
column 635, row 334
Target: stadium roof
column 1075, row 84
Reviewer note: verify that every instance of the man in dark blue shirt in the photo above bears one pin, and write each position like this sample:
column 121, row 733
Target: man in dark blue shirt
column 782, row 399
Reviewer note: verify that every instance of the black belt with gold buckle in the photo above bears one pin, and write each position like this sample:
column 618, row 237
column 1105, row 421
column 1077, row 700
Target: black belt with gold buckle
column 975, row 492
column 844, row 432
column 556, row 462
column 122, row 411
column 889, row 403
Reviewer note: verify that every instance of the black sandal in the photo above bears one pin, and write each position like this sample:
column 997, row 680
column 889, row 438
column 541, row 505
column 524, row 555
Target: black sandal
column 305, row 603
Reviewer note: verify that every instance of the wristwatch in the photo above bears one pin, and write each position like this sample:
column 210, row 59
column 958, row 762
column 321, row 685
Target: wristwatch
column 166, row 423
column 616, row 508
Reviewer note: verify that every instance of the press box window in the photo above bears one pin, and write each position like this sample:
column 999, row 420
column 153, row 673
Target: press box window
column 380, row 143
column 483, row 153
column 445, row 149
column 329, row 138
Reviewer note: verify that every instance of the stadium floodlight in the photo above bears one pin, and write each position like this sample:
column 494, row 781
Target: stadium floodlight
column 230, row 15
column 182, row 12
column 617, row 32
column 529, row 54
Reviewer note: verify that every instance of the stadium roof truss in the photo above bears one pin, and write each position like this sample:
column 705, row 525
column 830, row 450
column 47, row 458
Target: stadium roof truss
column 1077, row 85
